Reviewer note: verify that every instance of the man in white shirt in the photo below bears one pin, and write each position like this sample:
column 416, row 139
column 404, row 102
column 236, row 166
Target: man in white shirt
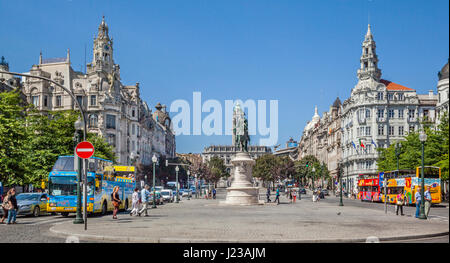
column 144, row 198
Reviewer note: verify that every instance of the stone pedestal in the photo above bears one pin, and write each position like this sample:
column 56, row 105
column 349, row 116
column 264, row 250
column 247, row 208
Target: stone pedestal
column 241, row 191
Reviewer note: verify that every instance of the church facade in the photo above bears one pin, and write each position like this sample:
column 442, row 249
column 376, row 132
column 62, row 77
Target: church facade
column 114, row 111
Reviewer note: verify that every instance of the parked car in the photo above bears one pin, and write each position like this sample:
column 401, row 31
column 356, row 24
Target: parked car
column 325, row 191
column 167, row 195
column 34, row 204
column 159, row 199
column 186, row 192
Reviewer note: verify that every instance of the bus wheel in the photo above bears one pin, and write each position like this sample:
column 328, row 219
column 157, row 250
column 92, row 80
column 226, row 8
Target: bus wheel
column 104, row 208
column 36, row 211
column 65, row 214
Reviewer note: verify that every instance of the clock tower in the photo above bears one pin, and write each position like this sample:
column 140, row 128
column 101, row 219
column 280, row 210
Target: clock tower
column 103, row 50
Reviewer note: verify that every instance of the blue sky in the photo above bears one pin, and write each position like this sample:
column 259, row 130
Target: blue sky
column 301, row 53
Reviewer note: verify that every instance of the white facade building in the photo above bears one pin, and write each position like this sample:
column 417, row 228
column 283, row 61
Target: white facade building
column 442, row 89
column 377, row 114
column 114, row 111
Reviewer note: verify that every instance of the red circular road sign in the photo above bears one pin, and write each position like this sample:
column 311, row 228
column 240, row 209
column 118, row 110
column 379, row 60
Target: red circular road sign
column 84, row 150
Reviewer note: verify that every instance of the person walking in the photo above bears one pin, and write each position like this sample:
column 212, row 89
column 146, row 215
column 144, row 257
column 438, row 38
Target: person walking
column 294, row 195
column 214, row 193
column 144, row 198
column 290, row 195
column 6, row 206
column 268, row 195
column 418, row 197
column 428, row 199
column 400, row 203
column 12, row 211
column 115, row 201
column 135, row 202
column 277, row 196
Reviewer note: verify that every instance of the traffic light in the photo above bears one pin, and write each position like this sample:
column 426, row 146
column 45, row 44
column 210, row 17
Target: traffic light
column 307, row 164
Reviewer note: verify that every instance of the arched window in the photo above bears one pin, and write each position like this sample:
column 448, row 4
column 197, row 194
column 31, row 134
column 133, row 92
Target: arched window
column 93, row 121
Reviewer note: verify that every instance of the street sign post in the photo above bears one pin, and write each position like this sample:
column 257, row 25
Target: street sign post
column 85, row 150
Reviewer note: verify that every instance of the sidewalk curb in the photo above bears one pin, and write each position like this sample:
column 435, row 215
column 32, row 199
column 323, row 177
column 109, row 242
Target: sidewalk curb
column 179, row 240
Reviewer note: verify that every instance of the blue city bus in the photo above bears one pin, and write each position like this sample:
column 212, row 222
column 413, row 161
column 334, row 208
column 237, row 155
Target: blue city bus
column 102, row 176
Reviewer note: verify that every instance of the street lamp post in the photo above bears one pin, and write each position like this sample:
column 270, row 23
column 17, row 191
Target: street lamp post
column 422, row 138
column 154, row 160
column 176, row 182
column 78, row 219
column 313, row 171
column 398, row 146
column 188, row 188
column 341, row 169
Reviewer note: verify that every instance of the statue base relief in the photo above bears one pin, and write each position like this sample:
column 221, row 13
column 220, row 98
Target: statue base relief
column 241, row 191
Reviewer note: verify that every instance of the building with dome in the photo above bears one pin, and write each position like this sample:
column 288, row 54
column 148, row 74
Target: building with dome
column 442, row 90
column 322, row 136
column 114, row 111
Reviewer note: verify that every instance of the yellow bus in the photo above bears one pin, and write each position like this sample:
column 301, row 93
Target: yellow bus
column 407, row 182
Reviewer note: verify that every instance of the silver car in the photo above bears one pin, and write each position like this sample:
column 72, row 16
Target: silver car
column 32, row 204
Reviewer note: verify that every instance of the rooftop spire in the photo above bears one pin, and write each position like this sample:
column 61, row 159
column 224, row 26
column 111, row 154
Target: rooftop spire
column 369, row 59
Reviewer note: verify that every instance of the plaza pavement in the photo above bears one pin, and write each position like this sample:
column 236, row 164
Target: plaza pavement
column 200, row 220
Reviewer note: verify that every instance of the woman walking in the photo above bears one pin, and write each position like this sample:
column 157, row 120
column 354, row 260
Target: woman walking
column 400, row 202
column 12, row 210
column 6, row 206
column 135, row 202
column 116, row 201
column 294, row 195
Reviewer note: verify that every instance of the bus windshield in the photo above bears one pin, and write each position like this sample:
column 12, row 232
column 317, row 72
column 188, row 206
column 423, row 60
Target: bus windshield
column 67, row 185
column 64, row 164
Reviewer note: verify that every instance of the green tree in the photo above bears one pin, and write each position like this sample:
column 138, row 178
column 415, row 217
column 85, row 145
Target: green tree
column 436, row 150
column 13, row 135
column 217, row 169
column 264, row 167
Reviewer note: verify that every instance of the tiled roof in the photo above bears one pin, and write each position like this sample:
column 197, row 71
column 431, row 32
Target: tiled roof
column 394, row 86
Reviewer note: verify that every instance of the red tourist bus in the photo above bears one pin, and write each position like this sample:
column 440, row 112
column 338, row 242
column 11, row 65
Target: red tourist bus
column 369, row 187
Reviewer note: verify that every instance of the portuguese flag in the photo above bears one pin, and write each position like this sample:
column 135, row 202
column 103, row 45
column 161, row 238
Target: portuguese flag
column 361, row 144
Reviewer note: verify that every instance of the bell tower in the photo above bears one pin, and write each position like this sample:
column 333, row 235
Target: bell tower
column 369, row 59
column 102, row 59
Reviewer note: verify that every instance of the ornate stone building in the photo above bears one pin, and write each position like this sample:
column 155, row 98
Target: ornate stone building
column 379, row 112
column 442, row 90
column 7, row 81
column 114, row 110
column 322, row 137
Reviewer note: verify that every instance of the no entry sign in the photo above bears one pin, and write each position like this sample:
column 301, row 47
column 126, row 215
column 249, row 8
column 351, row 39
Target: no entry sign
column 84, row 150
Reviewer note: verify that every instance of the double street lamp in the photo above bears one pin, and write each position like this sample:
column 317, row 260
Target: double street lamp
column 188, row 188
column 177, row 169
column 423, row 139
column 154, row 160
column 341, row 171
column 398, row 146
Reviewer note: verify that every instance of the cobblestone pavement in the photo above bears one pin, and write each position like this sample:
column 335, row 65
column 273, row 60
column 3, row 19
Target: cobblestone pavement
column 32, row 230
column 200, row 220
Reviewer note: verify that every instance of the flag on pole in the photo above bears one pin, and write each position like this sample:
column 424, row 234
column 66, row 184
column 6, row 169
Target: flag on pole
column 374, row 143
column 354, row 145
column 361, row 144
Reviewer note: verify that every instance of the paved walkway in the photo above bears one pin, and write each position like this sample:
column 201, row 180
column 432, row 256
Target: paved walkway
column 200, row 220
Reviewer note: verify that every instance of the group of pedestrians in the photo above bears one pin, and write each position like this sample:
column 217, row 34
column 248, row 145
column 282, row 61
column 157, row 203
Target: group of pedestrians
column 9, row 206
column 428, row 199
column 140, row 198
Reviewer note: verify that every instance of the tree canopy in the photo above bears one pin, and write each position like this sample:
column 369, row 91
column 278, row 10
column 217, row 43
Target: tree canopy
column 30, row 142
column 436, row 150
